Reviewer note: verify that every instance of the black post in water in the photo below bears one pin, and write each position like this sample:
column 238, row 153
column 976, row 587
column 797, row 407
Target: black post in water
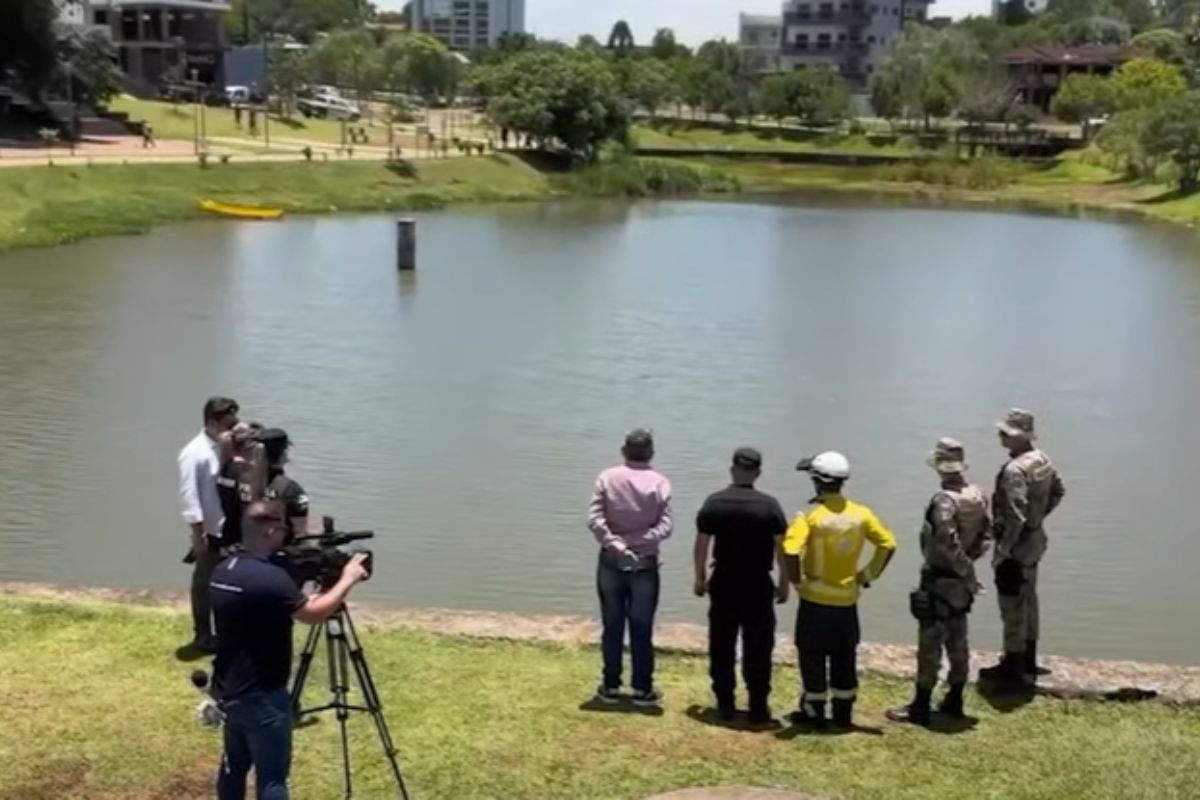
column 406, row 244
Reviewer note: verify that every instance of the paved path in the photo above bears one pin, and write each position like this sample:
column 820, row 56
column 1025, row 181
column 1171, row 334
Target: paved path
column 1071, row 677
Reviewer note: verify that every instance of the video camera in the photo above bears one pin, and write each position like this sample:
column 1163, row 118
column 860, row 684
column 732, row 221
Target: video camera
column 321, row 557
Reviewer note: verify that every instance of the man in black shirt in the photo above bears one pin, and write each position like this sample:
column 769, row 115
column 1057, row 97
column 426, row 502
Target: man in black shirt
column 280, row 487
column 748, row 527
column 254, row 602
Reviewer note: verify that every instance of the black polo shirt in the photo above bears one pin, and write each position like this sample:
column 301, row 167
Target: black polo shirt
column 253, row 601
column 743, row 523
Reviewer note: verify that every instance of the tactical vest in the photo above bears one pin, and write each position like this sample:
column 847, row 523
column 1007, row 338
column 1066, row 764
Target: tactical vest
column 954, row 593
column 1039, row 478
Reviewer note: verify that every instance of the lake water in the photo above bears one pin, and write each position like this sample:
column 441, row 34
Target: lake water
column 463, row 413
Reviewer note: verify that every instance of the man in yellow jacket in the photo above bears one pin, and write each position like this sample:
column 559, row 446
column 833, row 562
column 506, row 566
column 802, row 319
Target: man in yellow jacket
column 823, row 546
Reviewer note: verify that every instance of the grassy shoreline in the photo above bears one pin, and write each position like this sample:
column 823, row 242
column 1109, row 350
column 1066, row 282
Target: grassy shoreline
column 99, row 710
column 53, row 205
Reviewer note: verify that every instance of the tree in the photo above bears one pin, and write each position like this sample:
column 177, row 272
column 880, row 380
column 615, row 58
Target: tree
column 589, row 44
column 651, row 84
column 940, row 93
column 1146, row 82
column 1082, row 97
column 1173, row 131
column 348, row 58
column 739, row 106
column 1139, row 14
column 986, row 97
column 1095, row 30
column 1163, row 44
column 775, row 96
column 888, row 94
column 251, row 21
column 87, row 58
column 720, row 55
column 558, row 97
column 621, row 38
column 925, row 75
column 819, row 96
column 705, row 87
column 664, row 47
column 291, row 71
column 28, row 45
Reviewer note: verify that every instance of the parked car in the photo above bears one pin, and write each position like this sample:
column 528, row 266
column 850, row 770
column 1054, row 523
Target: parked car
column 327, row 106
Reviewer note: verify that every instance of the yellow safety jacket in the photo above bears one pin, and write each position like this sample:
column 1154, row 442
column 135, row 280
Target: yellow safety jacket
column 829, row 539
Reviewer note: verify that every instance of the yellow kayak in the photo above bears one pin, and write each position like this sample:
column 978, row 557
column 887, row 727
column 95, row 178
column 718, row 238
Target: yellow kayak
column 242, row 212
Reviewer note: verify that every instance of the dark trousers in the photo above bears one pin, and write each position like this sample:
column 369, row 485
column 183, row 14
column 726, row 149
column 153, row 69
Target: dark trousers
column 628, row 597
column 827, row 638
column 752, row 612
column 258, row 733
column 206, row 562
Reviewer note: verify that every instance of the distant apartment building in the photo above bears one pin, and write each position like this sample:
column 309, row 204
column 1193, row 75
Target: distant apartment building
column 165, row 41
column 759, row 38
column 852, row 37
column 465, row 25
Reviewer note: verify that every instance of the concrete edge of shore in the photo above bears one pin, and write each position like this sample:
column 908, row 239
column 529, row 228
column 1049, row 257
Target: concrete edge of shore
column 1069, row 678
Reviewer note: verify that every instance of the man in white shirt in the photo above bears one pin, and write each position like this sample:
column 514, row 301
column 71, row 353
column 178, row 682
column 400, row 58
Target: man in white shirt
column 199, row 466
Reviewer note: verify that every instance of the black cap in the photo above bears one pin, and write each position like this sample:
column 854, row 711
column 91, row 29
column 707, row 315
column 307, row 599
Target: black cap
column 276, row 436
column 747, row 458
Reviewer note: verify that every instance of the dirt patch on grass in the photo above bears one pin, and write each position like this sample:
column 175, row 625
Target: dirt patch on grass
column 55, row 780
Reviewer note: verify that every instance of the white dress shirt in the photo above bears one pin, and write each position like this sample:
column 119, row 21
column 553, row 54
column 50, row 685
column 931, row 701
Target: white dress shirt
column 199, row 467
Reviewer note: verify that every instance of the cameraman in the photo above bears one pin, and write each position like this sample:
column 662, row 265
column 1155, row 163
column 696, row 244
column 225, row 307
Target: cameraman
column 279, row 486
column 254, row 602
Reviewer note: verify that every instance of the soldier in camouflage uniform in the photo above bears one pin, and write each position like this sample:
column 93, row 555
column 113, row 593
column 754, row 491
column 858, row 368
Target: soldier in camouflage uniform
column 1028, row 489
column 954, row 537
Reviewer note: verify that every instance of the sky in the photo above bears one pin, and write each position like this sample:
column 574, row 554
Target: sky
column 694, row 21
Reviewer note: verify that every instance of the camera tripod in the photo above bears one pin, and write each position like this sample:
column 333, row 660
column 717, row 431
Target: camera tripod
column 344, row 650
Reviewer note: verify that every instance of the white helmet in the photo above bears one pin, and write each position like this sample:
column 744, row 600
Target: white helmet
column 829, row 467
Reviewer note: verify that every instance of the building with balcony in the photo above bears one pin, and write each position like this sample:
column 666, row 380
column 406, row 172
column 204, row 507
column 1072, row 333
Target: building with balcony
column 466, row 25
column 166, row 41
column 852, row 37
column 759, row 39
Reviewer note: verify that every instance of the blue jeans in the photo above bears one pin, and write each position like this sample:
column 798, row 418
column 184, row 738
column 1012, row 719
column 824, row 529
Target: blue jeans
column 628, row 597
column 258, row 733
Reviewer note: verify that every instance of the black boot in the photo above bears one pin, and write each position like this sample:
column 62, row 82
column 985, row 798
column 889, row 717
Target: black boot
column 811, row 714
column 843, row 714
column 726, row 710
column 1010, row 670
column 917, row 712
column 952, row 703
column 1032, row 669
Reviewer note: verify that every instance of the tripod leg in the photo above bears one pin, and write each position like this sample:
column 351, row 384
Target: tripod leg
column 371, row 699
column 302, row 667
column 339, row 687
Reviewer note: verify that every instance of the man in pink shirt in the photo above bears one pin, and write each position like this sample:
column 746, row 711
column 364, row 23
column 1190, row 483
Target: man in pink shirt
column 630, row 516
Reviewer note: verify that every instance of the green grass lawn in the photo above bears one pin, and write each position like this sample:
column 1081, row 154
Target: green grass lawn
column 49, row 205
column 171, row 121
column 96, row 707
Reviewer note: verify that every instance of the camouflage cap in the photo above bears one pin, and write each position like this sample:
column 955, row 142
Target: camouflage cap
column 1018, row 423
column 949, row 457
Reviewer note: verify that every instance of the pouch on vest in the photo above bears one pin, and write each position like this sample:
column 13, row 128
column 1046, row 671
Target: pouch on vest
column 952, row 595
column 920, row 605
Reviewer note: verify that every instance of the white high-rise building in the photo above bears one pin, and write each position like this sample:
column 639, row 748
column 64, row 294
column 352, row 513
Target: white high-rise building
column 465, row 25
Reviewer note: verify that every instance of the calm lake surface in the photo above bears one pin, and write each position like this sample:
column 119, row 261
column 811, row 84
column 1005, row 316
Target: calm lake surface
column 463, row 414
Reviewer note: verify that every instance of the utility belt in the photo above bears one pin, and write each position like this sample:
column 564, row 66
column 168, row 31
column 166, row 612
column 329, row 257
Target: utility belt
column 942, row 595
